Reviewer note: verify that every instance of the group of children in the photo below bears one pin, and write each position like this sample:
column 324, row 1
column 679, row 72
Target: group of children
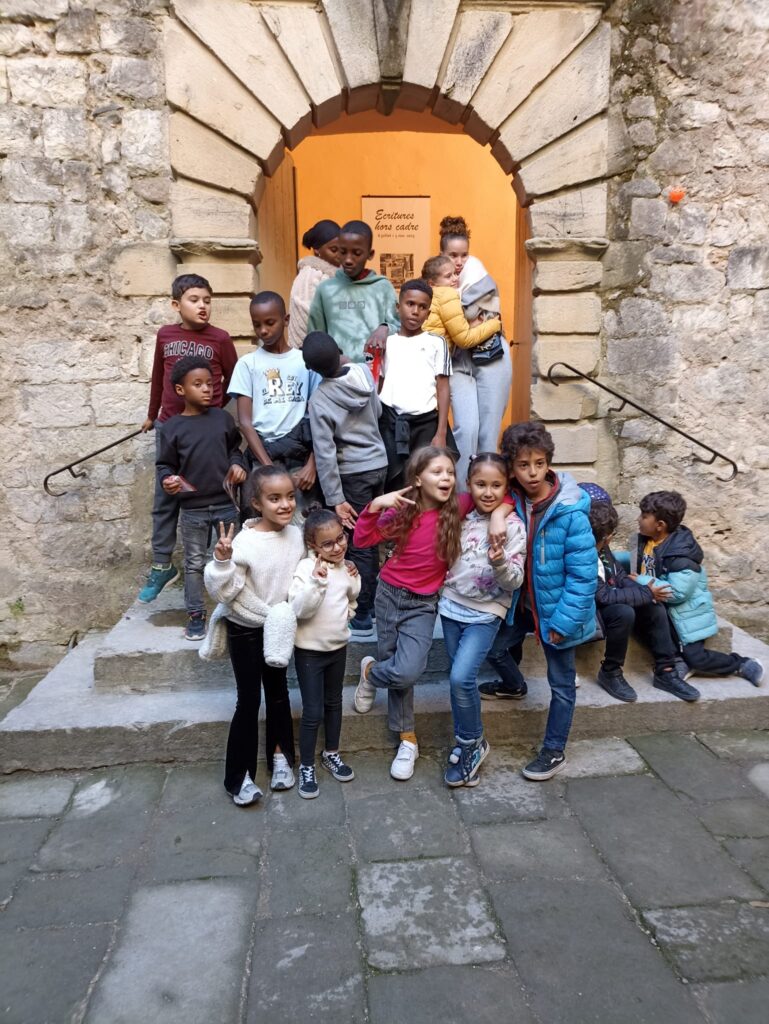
column 520, row 550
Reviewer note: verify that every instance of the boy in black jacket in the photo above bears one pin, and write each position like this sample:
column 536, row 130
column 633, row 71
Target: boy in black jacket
column 199, row 455
column 624, row 605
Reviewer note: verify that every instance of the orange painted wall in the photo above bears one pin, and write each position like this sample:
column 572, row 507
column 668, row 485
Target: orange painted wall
column 411, row 154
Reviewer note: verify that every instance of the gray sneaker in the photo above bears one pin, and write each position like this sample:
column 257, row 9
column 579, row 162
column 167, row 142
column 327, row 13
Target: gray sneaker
column 282, row 776
column 752, row 670
column 248, row 794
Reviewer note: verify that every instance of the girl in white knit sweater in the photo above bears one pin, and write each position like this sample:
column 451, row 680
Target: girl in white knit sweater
column 250, row 575
column 324, row 594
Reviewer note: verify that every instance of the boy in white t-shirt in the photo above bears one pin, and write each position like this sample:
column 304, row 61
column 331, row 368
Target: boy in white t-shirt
column 415, row 394
column 272, row 386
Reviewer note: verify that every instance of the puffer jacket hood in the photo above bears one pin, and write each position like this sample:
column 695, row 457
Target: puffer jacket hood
column 352, row 390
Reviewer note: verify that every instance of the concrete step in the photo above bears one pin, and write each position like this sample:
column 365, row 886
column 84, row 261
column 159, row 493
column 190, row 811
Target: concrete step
column 72, row 720
column 146, row 653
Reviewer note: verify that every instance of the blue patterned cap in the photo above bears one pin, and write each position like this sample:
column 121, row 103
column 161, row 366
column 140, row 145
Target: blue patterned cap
column 596, row 493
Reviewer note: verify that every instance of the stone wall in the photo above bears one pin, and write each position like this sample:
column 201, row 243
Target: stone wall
column 686, row 286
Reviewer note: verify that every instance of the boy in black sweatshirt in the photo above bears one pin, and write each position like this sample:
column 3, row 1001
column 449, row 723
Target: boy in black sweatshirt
column 199, row 455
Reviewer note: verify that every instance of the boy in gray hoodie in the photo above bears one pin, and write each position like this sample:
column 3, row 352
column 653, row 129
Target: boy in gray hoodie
column 350, row 455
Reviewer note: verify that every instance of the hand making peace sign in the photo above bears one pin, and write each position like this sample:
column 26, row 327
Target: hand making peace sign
column 223, row 549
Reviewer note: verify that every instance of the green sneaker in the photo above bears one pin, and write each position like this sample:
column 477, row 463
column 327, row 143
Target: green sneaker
column 157, row 580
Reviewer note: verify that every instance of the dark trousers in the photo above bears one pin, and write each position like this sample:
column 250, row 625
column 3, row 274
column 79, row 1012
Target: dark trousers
column 650, row 622
column 165, row 514
column 402, row 435
column 710, row 663
column 321, row 678
column 199, row 525
column 292, row 450
column 359, row 489
column 251, row 673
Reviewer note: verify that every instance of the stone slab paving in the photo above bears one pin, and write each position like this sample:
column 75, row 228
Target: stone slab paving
column 632, row 888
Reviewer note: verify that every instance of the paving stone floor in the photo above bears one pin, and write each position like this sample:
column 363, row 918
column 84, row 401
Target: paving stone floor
column 632, row 889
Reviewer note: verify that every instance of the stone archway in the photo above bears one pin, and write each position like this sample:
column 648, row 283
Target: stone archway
column 245, row 80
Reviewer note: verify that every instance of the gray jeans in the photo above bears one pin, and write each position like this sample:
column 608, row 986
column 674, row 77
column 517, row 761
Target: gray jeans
column 404, row 623
column 479, row 397
column 198, row 524
column 165, row 514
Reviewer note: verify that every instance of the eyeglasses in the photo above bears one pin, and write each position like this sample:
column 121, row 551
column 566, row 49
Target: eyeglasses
column 329, row 545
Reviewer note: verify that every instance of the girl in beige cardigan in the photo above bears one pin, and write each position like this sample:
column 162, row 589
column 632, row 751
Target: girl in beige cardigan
column 322, row 240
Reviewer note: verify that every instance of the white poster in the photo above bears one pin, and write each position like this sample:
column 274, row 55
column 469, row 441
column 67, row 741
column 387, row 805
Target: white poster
column 401, row 227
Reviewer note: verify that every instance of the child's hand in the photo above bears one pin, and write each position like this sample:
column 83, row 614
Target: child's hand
column 306, row 476
column 352, row 568
column 223, row 549
column 660, row 591
column 393, row 499
column 496, row 551
column 439, row 441
column 378, row 337
column 148, row 424
column 235, row 475
column 347, row 514
column 172, row 484
column 498, row 525
column 320, row 569
column 555, row 638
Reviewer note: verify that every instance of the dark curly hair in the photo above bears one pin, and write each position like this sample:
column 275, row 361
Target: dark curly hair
column 603, row 520
column 667, row 506
column 530, row 435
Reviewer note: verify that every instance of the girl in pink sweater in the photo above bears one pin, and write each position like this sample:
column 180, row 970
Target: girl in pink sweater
column 424, row 521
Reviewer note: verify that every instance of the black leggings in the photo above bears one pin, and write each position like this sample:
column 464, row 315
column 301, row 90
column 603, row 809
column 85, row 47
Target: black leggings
column 251, row 673
column 321, row 678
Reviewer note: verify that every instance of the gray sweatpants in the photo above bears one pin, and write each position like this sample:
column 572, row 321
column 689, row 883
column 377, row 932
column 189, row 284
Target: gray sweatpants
column 405, row 623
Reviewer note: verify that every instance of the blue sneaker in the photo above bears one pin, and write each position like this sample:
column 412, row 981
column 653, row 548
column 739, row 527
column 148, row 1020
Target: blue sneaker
column 464, row 762
column 157, row 580
column 752, row 670
column 196, row 626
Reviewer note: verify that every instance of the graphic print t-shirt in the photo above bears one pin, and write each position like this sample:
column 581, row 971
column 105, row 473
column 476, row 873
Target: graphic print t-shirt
column 278, row 386
column 173, row 343
column 648, row 562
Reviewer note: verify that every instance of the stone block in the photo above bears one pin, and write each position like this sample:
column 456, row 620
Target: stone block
column 32, row 180
column 623, row 264
column 225, row 278
column 576, row 445
column 583, row 352
column 641, row 106
column 155, row 972
column 674, row 155
column 60, row 900
column 735, row 1000
column 236, row 33
column 65, row 134
column 201, row 212
column 356, row 44
column 565, row 402
column 123, row 403
column 741, row 817
column 580, row 156
column 15, row 39
column 42, row 10
column 4, row 91
column 642, row 356
column 133, row 77
column 538, row 43
column 478, row 37
column 580, row 213
column 691, row 113
column 18, row 130
column 291, row 861
column 72, row 228
column 402, row 823
column 199, row 84
column 78, row 33
column 687, row 283
column 567, row 314
column 128, row 35
column 748, row 267
column 144, row 140
column 540, row 849
column 566, row 275
column 47, row 82
column 643, row 134
column 203, row 155
column 647, row 218
column 232, row 316
column 55, row 405
column 639, row 316
column 688, row 767
column 300, row 35
column 577, row 90
column 34, row 797
column 143, row 269
column 430, row 25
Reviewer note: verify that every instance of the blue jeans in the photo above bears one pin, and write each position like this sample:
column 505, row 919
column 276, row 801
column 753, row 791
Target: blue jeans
column 561, row 676
column 197, row 524
column 467, row 644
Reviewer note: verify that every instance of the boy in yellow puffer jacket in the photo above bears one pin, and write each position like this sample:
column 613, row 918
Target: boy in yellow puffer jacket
column 446, row 317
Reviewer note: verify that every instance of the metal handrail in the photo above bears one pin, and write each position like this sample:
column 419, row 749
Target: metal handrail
column 85, row 458
column 624, row 400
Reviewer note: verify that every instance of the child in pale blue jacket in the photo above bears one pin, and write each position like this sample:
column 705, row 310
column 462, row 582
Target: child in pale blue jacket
column 668, row 551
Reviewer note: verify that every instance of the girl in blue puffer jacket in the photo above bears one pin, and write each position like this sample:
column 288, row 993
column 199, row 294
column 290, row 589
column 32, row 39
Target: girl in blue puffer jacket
column 557, row 599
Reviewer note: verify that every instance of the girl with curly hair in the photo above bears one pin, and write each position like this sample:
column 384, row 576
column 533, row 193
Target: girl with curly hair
column 423, row 520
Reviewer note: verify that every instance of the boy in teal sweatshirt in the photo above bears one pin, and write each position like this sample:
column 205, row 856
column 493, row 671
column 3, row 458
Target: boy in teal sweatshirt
column 356, row 306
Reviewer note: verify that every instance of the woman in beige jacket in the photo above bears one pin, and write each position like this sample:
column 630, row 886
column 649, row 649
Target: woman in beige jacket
column 322, row 239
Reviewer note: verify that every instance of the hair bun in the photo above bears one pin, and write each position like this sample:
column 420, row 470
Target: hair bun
column 454, row 226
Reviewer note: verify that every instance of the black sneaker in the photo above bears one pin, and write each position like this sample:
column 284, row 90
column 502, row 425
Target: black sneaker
column 671, row 682
column 683, row 669
column 361, row 627
column 498, row 691
column 615, row 684
column 544, row 766
column 196, row 626
column 308, row 784
column 333, row 763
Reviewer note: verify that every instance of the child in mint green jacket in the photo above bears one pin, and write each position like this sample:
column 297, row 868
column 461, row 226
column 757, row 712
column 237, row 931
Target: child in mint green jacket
column 356, row 306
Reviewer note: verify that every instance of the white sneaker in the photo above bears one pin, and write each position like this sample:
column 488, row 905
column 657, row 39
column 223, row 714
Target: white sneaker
column 577, row 681
column 282, row 776
column 365, row 692
column 249, row 793
column 402, row 767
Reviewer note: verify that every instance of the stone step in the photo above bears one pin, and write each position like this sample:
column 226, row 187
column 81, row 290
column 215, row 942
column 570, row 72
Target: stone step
column 146, row 652
column 67, row 721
